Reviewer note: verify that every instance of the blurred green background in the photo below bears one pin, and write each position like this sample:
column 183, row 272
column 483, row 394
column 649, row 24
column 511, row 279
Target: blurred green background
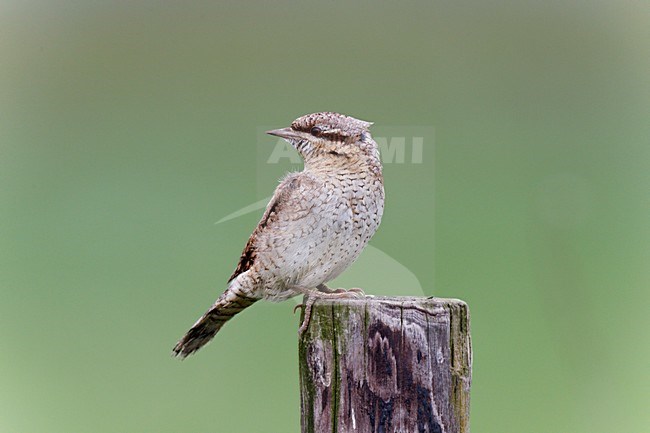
column 128, row 128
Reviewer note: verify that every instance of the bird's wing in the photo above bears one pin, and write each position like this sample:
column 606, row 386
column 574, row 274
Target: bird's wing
column 285, row 195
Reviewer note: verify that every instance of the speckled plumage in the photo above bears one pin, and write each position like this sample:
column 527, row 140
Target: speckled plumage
column 316, row 225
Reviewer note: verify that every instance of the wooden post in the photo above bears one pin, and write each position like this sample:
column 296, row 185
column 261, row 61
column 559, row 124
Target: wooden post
column 386, row 365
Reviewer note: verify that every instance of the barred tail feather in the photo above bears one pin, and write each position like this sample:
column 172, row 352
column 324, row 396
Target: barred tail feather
column 228, row 305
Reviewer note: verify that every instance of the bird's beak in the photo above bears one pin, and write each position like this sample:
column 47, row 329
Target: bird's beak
column 286, row 133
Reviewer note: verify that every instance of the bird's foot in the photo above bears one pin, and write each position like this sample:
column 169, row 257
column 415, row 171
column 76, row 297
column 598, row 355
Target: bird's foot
column 323, row 292
column 307, row 303
column 357, row 291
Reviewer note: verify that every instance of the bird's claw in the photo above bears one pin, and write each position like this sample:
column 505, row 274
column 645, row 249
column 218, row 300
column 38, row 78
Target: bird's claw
column 308, row 302
column 357, row 292
column 342, row 293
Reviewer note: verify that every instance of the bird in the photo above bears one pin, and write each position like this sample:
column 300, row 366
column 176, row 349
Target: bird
column 316, row 224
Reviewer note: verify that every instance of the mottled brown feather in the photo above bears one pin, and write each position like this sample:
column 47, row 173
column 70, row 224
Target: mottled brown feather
column 282, row 193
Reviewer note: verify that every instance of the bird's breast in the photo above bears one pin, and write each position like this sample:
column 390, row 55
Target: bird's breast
column 340, row 216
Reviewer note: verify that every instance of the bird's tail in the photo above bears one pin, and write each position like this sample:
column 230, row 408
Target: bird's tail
column 231, row 302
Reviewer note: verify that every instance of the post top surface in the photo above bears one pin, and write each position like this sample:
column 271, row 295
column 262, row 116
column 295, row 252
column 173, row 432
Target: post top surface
column 431, row 303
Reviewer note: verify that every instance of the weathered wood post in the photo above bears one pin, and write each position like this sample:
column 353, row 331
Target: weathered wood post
column 384, row 365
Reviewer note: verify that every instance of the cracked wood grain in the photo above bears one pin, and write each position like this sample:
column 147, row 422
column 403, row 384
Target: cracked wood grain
column 386, row 364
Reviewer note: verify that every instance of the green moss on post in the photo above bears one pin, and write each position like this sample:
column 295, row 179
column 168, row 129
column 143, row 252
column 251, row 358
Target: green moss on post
column 386, row 364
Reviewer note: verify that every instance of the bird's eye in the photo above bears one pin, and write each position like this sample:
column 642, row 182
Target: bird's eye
column 316, row 131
